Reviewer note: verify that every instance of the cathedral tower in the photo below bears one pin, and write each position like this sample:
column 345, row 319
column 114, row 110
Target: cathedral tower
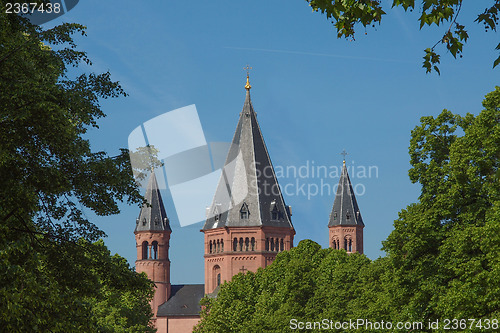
column 346, row 225
column 248, row 222
column 152, row 236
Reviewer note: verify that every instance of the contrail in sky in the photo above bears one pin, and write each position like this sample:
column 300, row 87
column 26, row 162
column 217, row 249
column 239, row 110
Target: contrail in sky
column 315, row 54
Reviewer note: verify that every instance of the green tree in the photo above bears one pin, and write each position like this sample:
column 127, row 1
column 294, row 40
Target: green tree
column 52, row 276
column 444, row 250
column 306, row 283
column 346, row 14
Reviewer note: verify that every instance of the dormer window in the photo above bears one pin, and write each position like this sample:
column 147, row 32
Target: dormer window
column 244, row 212
column 347, row 216
column 275, row 213
column 144, row 221
column 216, row 213
column 157, row 221
column 334, row 216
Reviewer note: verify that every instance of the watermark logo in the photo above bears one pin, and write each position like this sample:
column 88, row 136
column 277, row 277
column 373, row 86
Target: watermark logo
column 41, row 12
column 197, row 174
column 191, row 166
column 310, row 180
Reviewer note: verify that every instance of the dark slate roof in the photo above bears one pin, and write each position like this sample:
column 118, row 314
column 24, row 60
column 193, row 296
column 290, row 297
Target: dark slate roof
column 184, row 301
column 248, row 164
column 345, row 207
column 153, row 217
column 214, row 293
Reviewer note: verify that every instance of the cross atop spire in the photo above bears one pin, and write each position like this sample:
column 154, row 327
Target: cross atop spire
column 247, row 85
column 344, row 153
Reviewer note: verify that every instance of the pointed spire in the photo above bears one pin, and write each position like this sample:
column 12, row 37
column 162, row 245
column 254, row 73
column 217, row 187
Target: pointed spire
column 345, row 207
column 248, row 193
column 153, row 217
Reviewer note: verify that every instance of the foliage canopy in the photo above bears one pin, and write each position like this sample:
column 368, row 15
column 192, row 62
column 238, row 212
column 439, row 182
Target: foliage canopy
column 54, row 277
column 345, row 14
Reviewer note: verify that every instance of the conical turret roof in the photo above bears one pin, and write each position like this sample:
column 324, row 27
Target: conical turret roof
column 153, row 216
column 345, row 207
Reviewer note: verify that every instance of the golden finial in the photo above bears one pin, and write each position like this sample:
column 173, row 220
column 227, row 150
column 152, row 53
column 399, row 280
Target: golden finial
column 248, row 86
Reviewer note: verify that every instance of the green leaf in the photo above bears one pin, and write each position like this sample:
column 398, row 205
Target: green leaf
column 496, row 62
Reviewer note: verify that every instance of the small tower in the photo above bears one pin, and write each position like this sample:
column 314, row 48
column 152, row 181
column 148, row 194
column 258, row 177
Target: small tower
column 248, row 222
column 346, row 225
column 152, row 236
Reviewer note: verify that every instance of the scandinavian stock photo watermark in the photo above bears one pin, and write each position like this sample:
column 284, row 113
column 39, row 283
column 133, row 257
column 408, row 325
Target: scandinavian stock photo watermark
column 40, row 12
column 310, row 180
column 363, row 324
column 219, row 175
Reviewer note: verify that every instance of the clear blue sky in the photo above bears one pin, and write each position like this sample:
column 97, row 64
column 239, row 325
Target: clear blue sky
column 314, row 94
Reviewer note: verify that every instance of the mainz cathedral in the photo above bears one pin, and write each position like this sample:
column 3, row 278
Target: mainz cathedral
column 247, row 225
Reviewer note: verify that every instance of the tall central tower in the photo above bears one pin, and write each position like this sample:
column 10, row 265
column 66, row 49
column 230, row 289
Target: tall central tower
column 248, row 222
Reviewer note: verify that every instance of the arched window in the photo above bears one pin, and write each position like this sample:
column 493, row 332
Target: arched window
column 235, row 244
column 350, row 245
column 221, row 245
column 241, row 244
column 252, row 242
column 247, row 244
column 154, row 250
column 282, row 245
column 216, row 276
column 211, row 247
column 267, row 244
column 338, row 244
column 218, row 246
column 277, row 244
column 334, row 244
column 272, row 244
column 145, row 250
column 345, row 244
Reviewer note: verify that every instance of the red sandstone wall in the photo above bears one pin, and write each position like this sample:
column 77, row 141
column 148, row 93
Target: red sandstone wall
column 157, row 270
column 232, row 262
column 354, row 232
column 176, row 324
